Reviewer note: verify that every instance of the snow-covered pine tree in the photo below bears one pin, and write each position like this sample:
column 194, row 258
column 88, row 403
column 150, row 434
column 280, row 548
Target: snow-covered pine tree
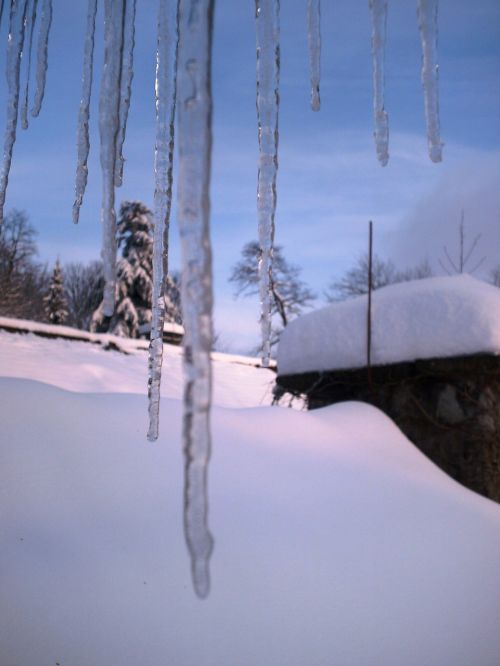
column 173, row 310
column 55, row 303
column 134, row 283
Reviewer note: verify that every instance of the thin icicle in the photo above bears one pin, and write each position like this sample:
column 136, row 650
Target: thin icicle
column 83, row 141
column 24, row 105
column 109, row 102
column 268, row 70
column 195, row 143
column 427, row 16
column 14, row 52
column 42, row 56
column 165, row 88
column 126, row 84
column 314, row 40
column 379, row 27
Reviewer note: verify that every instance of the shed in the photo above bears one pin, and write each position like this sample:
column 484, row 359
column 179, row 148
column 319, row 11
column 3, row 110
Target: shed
column 435, row 368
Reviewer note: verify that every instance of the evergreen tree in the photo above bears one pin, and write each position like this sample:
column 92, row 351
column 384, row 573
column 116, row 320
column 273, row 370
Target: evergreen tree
column 134, row 287
column 134, row 284
column 173, row 311
column 55, row 301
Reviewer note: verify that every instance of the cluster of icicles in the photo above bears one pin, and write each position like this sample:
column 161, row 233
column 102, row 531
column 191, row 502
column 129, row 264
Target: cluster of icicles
column 182, row 91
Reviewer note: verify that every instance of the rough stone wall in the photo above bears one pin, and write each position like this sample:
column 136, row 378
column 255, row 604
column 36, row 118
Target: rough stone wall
column 450, row 408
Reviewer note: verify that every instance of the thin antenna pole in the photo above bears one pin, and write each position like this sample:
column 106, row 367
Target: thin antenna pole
column 369, row 312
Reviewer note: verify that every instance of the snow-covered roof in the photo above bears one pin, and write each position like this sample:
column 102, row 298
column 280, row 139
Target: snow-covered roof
column 431, row 318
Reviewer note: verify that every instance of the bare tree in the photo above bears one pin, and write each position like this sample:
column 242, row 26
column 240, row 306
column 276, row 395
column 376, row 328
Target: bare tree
column 495, row 276
column 461, row 263
column 84, row 285
column 23, row 281
column 355, row 281
column 290, row 295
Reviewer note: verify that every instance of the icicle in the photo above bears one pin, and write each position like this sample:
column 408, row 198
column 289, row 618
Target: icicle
column 24, row 105
column 126, row 84
column 427, row 12
column 42, row 55
column 165, row 87
column 109, row 102
column 195, row 142
column 379, row 24
column 14, row 51
column 83, row 142
column 1, row 10
column 314, row 40
column 268, row 69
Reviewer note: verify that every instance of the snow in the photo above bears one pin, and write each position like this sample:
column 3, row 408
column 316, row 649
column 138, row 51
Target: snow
column 81, row 367
column 336, row 541
column 430, row 318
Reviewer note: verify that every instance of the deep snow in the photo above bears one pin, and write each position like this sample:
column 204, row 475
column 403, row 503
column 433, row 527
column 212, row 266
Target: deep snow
column 430, row 318
column 336, row 541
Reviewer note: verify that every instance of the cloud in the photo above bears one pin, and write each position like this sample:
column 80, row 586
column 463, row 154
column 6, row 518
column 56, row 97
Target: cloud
column 471, row 183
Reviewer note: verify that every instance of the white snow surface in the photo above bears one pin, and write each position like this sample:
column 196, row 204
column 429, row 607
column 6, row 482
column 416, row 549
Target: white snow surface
column 336, row 541
column 89, row 368
column 430, row 318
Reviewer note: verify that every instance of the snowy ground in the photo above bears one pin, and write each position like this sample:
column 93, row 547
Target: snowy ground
column 336, row 541
column 84, row 367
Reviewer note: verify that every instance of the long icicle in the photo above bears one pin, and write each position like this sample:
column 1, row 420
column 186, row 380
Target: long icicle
column 268, row 70
column 427, row 17
column 195, row 144
column 15, row 45
column 165, row 89
column 109, row 102
column 126, row 84
column 82, row 140
column 24, row 105
column 314, row 42
column 381, row 121
column 42, row 56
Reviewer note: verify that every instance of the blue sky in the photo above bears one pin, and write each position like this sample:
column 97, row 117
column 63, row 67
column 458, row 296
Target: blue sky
column 329, row 183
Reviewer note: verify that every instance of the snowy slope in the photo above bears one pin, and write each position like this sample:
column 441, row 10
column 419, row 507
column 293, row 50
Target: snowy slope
column 336, row 541
column 83, row 367
column 435, row 317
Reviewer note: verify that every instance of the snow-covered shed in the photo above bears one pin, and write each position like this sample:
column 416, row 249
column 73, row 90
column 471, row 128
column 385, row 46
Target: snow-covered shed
column 435, row 367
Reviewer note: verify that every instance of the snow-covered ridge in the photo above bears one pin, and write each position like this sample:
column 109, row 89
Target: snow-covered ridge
column 432, row 318
column 115, row 342
column 62, row 356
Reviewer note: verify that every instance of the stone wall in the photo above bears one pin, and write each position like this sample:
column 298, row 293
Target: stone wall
column 449, row 408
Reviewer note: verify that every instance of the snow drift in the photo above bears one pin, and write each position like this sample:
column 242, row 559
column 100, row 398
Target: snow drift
column 336, row 541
